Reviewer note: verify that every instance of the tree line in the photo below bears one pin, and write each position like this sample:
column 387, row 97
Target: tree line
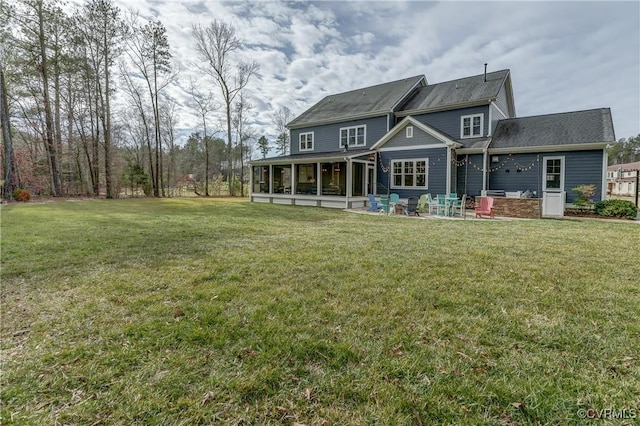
column 626, row 150
column 85, row 107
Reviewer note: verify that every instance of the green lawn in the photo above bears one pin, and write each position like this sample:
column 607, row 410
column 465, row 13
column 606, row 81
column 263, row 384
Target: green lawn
column 191, row 311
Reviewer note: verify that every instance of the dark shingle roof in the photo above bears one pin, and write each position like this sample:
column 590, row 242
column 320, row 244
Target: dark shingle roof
column 626, row 167
column 369, row 101
column 457, row 92
column 568, row 128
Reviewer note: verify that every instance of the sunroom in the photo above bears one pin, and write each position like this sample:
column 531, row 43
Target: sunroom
column 340, row 179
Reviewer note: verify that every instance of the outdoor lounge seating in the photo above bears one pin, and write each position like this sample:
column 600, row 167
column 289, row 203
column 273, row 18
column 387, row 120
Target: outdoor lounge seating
column 432, row 205
column 458, row 208
column 384, row 204
column 484, row 207
column 412, row 207
column 373, row 204
column 422, row 203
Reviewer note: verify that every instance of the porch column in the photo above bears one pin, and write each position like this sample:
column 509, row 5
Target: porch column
column 293, row 178
column 250, row 183
column 270, row 178
column 318, row 179
column 348, row 183
column 448, row 187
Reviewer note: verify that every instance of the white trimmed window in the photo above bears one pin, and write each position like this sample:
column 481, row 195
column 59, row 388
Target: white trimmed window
column 471, row 126
column 353, row 136
column 409, row 173
column 553, row 174
column 408, row 132
column 306, row 141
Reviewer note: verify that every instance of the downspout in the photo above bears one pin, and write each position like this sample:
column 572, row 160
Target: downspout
column 485, row 158
column 271, row 178
column 250, row 183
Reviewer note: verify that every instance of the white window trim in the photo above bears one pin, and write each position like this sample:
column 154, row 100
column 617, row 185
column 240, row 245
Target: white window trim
column 544, row 173
column 414, row 160
column 408, row 132
column 471, row 117
column 313, row 141
column 364, row 126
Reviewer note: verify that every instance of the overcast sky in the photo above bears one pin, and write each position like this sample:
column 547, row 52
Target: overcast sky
column 563, row 56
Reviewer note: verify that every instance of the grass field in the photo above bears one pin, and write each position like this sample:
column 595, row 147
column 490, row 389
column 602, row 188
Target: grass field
column 191, row 311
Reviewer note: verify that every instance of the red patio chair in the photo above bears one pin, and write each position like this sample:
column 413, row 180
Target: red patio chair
column 485, row 207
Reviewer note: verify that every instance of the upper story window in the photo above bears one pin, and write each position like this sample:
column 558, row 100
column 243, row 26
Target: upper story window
column 306, row 141
column 471, row 125
column 352, row 136
column 408, row 132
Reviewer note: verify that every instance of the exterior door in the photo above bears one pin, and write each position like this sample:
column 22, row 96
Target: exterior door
column 370, row 179
column 553, row 193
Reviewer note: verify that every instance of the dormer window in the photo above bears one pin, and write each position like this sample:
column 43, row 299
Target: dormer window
column 471, row 126
column 408, row 132
column 306, row 141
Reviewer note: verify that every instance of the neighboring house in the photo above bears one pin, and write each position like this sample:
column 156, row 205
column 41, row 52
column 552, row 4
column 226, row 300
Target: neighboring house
column 622, row 179
column 411, row 137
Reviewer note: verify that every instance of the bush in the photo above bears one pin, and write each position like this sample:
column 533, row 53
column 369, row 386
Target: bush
column 21, row 195
column 616, row 208
column 584, row 193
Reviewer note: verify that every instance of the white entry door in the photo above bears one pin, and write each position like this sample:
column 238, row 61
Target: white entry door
column 553, row 193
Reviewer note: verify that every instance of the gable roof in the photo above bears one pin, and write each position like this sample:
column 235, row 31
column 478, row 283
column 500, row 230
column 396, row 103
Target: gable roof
column 445, row 139
column 463, row 92
column 626, row 167
column 593, row 126
column 360, row 103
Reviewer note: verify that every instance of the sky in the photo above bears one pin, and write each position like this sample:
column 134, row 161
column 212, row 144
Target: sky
column 563, row 56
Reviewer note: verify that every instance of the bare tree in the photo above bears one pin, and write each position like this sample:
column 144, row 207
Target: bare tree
column 9, row 164
column 215, row 44
column 243, row 133
column 203, row 103
column 281, row 118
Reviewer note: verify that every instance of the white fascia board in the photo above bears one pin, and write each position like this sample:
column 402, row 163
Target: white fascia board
column 548, row 148
column 412, row 148
column 495, row 105
column 427, row 129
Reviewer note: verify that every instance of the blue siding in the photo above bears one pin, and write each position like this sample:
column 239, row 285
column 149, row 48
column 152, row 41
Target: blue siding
column 420, row 137
column 437, row 171
column 495, row 117
column 448, row 122
column 327, row 137
column 469, row 175
column 581, row 167
column 501, row 101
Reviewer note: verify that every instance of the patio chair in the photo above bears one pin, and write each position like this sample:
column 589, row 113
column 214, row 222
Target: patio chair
column 432, row 205
column 384, row 204
column 459, row 206
column 393, row 200
column 422, row 203
column 485, row 207
column 442, row 204
column 412, row 207
column 373, row 204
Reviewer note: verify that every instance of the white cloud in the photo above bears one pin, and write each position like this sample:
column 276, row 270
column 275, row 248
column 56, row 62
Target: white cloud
column 563, row 55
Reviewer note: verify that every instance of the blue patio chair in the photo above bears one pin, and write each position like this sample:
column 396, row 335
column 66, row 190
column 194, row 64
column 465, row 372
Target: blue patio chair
column 384, row 204
column 459, row 207
column 442, row 204
column 432, row 204
column 373, row 204
column 412, row 207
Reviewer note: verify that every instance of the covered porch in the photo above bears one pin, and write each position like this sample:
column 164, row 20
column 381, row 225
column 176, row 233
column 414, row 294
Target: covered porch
column 338, row 180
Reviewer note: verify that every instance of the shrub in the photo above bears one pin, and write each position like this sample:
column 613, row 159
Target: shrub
column 584, row 194
column 616, row 208
column 21, row 195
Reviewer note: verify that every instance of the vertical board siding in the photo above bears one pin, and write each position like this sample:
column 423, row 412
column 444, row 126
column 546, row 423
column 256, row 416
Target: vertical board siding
column 436, row 175
column 580, row 167
column 469, row 175
column 326, row 138
column 448, row 122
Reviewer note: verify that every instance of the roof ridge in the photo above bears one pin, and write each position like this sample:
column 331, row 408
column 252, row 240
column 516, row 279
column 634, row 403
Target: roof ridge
column 469, row 77
column 377, row 85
